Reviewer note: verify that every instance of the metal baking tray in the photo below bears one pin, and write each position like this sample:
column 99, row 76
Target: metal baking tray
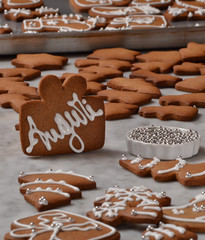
column 175, row 36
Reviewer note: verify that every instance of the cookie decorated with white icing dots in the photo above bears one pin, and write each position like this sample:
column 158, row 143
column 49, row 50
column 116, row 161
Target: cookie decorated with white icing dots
column 135, row 205
column 63, row 121
column 57, row 224
column 28, row 4
column 51, row 189
column 187, row 174
column 168, row 232
column 191, row 215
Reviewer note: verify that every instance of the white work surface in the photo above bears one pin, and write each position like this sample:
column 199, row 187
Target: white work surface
column 103, row 164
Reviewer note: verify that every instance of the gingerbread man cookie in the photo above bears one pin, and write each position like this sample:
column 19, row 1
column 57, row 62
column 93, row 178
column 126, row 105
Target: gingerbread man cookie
column 67, row 123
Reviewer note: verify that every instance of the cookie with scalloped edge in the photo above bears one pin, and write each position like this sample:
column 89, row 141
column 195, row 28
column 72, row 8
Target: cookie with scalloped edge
column 63, row 121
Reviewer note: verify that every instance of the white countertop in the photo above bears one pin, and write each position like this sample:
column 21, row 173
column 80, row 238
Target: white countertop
column 102, row 164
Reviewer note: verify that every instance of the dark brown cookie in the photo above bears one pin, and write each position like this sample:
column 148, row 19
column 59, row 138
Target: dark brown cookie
column 41, row 61
column 159, row 80
column 178, row 113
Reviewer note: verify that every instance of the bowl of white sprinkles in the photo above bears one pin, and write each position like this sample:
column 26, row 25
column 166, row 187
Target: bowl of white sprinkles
column 163, row 142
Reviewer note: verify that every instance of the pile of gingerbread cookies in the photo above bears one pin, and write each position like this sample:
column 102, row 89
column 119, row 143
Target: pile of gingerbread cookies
column 67, row 114
column 103, row 15
column 103, row 71
column 137, row 205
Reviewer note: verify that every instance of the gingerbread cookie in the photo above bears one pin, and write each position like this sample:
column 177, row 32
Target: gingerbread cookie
column 159, row 80
column 25, row 73
column 135, row 205
column 62, row 23
column 198, row 15
column 137, row 22
column 172, row 57
column 71, row 178
column 50, row 183
column 94, row 87
column 107, row 71
column 178, row 113
column 174, row 13
column 190, row 215
column 13, row 86
column 20, row 14
column 116, row 64
column 158, row 67
column 192, row 99
column 194, row 85
column 188, row 68
column 114, row 53
column 166, row 143
column 52, row 189
column 136, row 85
column 114, row 12
column 190, row 5
column 5, row 29
column 168, row 232
column 59, row 105
column 114, row 111
column 60, row 225
column 161, row 4
column 85, row 5
column 1, row 6
column 30, row 4
column 194, row 52
column 41, row 61
column 163, row 171
column 89, row 77
column 122, row 96
column 12, row 100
